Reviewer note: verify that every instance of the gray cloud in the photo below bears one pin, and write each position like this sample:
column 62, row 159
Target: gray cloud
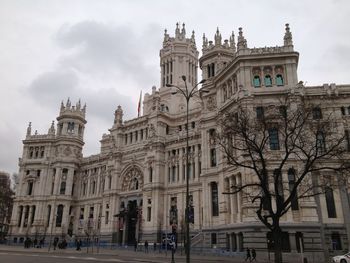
column 100, row 48
column 51, row 87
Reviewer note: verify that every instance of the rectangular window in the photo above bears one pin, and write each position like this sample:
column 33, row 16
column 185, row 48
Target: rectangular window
column 214, row 199
column 259, row 113
column 273, row 138
column 106, row 217
column 316, row 113
column 347, row 140
column 336, row 241
column 173, row 174
column 30, row 188
column 213, row 157
column 330, row 203
column 149, row 214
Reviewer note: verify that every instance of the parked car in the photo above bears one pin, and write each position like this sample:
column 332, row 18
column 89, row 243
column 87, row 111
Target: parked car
column 341, row 259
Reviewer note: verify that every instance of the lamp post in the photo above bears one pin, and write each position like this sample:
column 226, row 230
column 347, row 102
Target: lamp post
column 188, row 94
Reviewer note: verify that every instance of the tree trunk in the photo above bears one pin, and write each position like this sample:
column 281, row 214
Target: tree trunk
column 277, row 240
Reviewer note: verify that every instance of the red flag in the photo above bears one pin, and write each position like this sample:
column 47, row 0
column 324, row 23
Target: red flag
column 139, row 106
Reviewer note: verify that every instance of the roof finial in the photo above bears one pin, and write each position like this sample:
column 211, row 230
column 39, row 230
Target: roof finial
column 52, row 128
column 183, row 31
column 177, row 30
column 29, row 129
column 193, row 40
column 288, row 39
column 205, row 42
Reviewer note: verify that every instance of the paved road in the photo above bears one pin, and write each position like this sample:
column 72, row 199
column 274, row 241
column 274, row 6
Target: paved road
column 16, row 255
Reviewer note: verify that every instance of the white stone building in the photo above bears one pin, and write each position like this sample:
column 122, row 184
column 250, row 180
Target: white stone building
column 134, row 189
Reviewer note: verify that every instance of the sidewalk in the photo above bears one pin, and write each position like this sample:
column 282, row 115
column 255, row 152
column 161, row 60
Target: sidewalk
column 156, row 255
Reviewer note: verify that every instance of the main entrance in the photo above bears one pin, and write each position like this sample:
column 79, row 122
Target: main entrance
column 130, row 217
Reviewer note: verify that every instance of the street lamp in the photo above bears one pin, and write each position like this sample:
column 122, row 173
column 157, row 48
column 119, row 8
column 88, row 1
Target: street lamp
column 188, row 94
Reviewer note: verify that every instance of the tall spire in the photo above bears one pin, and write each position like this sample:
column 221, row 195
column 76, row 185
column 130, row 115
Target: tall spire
column 288, row 40
column 205, row 42
column 232, row 42
column 52, row 128
column 177, row 31
column 217, row 37
column 241, row 42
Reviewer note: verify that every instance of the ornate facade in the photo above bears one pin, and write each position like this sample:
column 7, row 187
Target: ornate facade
column 134, row 189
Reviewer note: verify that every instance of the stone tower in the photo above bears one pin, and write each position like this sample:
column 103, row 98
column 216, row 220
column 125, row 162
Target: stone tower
column 217, row 55
column 178, row 57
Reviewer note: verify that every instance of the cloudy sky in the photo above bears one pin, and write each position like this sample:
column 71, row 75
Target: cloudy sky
column 105, row 52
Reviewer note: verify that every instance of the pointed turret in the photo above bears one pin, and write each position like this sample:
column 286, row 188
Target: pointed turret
column 68, row 104
column 183, row 31
column 288, row 40
column 241, row 42
column 217, row 37
column 205, row 42
column 232, row 42
column 52, row 130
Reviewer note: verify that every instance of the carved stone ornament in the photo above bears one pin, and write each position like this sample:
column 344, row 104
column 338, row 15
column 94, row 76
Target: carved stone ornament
column 67, row 151
column 132, row 180
column 211, row 103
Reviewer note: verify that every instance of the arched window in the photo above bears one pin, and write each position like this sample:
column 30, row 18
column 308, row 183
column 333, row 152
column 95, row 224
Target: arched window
column 268, row 81
column 63, row 188
column 59, row 216
column 279, row 80
column 330, row 203
column 214, row 199
column 256, row 82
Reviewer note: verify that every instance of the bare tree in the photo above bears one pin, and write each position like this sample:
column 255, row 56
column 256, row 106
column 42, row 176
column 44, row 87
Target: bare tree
column 293, row 136
column 6, row 203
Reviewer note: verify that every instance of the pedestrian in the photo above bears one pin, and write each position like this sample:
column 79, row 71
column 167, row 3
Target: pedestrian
column 41, row 242
column 155, row 246
column 146, row 246
column 248, row 255
column 78, row 244
column 55, row 242
column 253, row 255
column 135, row 245
column 35, row 243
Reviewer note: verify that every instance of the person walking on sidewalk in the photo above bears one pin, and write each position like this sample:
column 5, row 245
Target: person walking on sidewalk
column 248, row 255
column 146, row 246
column 253, row 255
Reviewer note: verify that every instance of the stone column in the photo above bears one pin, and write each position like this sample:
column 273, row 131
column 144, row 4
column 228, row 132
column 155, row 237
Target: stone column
column 196, row 161
column 239, row 199
column 57, row 180
column 181, row 166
